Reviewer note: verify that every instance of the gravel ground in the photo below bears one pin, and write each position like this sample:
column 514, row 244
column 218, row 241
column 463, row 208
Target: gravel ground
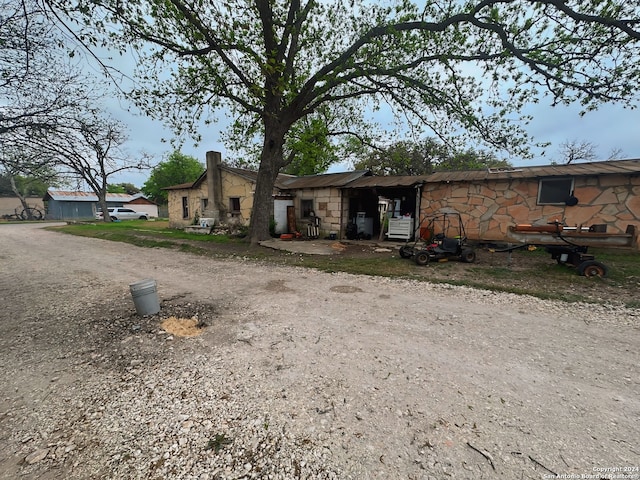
column 299, row 374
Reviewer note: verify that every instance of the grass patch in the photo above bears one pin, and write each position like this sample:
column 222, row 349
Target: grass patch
column 521, row 272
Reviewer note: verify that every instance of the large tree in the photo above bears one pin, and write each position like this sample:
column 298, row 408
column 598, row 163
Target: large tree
column 423, row 157
column 90, row 149
column 310, row 148
column 577, row 151
column 40, row 85
column 471, row 159
column 450, row 66
column 404, row 158
column 124, row 187
column 51, row 120
column 176, row 169
column 25, row 185
column 23, row 176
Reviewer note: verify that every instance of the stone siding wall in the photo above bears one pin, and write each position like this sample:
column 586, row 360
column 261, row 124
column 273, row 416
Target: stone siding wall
column 194, row 202
column 326, row 202
column 232, row 186
column 490, row 208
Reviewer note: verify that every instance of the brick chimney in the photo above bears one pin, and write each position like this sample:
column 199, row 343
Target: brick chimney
column 214, row 186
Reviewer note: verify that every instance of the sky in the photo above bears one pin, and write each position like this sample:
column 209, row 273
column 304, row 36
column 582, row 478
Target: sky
column 610, row 128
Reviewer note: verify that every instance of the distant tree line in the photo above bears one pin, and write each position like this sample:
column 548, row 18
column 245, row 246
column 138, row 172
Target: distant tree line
column 424, row 157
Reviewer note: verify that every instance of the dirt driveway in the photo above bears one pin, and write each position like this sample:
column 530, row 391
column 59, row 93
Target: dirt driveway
column 298, row 373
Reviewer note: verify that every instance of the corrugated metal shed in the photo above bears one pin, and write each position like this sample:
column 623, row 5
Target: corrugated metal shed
column 611, row 167
column 62, row 205
column 62, row 196
column 326, row 180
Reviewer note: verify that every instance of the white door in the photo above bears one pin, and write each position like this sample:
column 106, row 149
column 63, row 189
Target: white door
column 280, row 213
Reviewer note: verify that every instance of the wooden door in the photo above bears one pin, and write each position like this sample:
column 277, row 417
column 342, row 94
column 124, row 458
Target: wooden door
column 291, row 219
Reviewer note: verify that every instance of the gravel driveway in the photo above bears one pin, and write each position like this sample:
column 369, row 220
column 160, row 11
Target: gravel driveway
column 298, row 373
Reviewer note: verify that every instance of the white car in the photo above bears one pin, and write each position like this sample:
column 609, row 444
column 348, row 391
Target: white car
column 123, row 213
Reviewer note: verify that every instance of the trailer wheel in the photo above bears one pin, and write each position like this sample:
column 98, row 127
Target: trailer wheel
column 468, row 255
column 422, row 257
column 406, row 251
column 592, row 268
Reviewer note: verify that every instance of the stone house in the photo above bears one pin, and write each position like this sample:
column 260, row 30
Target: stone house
column 583, row 195
column 230, row 188
column 296, row 200
column 603, row 194
column 317, row 201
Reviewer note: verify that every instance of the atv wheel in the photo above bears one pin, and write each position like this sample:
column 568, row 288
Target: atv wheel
column 468, row 256
column 422, row 257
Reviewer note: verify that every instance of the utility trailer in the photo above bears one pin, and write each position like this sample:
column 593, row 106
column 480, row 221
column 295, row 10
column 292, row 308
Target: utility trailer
column 563, row 250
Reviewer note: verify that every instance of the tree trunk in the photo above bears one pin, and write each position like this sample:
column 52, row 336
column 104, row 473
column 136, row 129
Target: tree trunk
column 23, row 201
column 271, row 161
column 102, row 201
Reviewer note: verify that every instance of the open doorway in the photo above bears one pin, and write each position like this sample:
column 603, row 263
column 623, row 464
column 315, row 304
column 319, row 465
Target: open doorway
column 371, row 210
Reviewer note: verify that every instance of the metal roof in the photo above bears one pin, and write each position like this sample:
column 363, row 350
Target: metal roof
column 365, row 179
column 387, row 181
column 610, row 167
column 63, row 196
column 325, row 180
column 180, row 186
column 250, row 175
column 287, row 182
column 141, row 199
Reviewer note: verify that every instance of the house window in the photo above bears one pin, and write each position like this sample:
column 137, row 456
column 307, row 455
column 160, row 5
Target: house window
column 204, row 203
column 554, row 191
column 185, row 207
column 234, row 206
column 306, row 207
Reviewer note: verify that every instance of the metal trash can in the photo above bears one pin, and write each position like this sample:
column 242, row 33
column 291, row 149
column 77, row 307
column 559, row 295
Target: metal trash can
column 145, row 297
